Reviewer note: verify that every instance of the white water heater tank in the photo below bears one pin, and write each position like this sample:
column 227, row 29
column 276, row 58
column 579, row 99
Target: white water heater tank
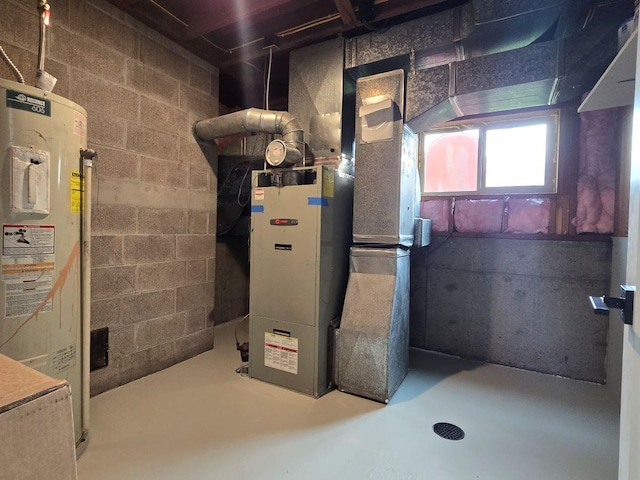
column 41, row 135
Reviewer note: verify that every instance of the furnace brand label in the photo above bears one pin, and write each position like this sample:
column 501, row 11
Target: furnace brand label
column 28, row 103
column 281, row 352
column 259, row 193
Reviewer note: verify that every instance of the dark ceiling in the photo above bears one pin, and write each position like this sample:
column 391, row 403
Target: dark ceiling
column 236, row 35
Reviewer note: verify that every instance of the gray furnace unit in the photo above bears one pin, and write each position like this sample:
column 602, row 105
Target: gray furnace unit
column 300, row 236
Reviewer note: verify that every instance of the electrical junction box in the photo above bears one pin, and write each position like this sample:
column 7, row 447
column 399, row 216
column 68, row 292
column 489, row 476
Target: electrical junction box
column 300, row 234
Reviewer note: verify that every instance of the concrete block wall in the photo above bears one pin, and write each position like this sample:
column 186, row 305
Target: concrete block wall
column 153, row 277
column 522, row 303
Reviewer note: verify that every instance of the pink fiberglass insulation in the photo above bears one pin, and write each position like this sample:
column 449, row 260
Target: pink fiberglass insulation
column 484, row 216
column 597, row 172
column 438, row 211
column 528, row 215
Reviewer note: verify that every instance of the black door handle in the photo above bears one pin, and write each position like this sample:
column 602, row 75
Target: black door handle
column 624, row 303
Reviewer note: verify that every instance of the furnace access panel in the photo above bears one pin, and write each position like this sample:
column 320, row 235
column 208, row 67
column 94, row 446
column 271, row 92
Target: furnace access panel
column 300, row 236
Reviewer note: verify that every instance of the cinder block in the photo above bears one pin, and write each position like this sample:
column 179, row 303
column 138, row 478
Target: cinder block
column 122, row 341
column 106, row 313
column 72, row 49
column 196, row 271
column 113, row 219
column 158, row 276
column 162, row 220
column 115, row 163
column 199, row 178
column 151, row 83
column 199, row 78
column 164, row 118
column 96, row 94
column 160, row 330
column 198, row 222
column 106, row 7
column 143, row 306
column 112, row 281
column 198, row 102
column 196, row 320
column 105, row 130
column 86, row 18
column 106, row 250
column 211, row 269
column 213, row 222
column 194, row 296
column 105, row 379
column 168, row 174
column 163, row 59
column 194, row 344
column 146, row 362
column 17, row 26
column 152, row 143
column 191, row 153
column 149, row 248
column 196, row 246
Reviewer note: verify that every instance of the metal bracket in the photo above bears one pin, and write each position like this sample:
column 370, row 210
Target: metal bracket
column 624, row 303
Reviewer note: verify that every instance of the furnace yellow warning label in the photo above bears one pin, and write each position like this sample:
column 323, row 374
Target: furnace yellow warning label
column 328, row 185
column 77, row 191
column 281, row 352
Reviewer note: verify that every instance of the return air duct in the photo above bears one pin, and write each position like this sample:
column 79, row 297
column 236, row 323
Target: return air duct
column 280, row 153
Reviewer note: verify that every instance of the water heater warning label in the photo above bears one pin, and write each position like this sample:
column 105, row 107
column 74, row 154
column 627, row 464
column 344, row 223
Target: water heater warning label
column 281, row 352
column 28, row 240
column 28, row 263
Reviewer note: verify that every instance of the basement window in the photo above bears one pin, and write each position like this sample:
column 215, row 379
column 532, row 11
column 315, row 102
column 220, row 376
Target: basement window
column 500, row 155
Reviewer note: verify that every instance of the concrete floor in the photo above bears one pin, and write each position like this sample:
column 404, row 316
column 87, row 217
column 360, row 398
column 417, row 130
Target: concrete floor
column 201, row 420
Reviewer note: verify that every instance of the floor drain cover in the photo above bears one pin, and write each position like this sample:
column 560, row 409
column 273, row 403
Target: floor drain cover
column 448, row 431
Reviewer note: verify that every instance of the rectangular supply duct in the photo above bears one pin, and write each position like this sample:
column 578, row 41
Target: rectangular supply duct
column 374, row 332
column 374, row 336
column 384, row 191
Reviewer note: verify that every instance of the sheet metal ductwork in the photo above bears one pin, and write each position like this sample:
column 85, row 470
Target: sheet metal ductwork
column 255, row 120
column 490, row 55
column 485, row 27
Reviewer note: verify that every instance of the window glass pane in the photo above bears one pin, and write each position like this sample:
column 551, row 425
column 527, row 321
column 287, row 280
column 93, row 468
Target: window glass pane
column 516, row 156
column 451, row 161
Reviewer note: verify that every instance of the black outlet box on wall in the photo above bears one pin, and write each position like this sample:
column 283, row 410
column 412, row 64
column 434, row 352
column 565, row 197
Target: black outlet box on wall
column 99, row 348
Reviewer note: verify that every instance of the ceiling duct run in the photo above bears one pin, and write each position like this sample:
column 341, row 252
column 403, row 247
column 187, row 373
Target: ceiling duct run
column 494, row 55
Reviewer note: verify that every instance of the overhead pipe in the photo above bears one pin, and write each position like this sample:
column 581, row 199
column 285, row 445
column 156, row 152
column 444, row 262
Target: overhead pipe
column 43, row 13
column 286, row 152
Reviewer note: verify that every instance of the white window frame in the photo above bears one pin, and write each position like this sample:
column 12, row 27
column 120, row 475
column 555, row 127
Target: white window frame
column 551, row 118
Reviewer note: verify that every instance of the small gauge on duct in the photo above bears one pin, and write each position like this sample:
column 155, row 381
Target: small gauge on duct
column 278, row 155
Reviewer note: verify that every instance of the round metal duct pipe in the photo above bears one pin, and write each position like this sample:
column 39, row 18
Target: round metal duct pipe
column 255, row 120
